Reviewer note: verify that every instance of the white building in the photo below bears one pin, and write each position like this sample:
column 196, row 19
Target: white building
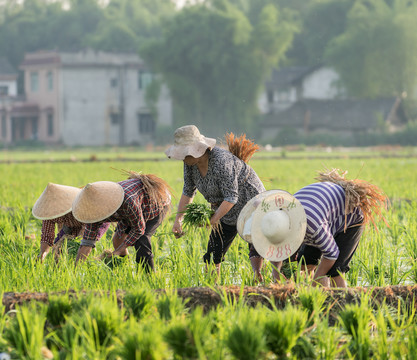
column 87, row 98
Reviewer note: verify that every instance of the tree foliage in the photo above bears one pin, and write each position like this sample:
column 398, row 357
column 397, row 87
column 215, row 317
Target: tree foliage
column 377, row 54
column 215, row 60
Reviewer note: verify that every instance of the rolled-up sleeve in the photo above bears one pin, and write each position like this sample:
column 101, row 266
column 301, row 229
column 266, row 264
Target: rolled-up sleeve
column 90, row 235
column 189, row 188
column 229, row 184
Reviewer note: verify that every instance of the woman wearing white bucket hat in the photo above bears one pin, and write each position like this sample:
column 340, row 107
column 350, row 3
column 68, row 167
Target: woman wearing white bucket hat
column 54, row 207
column 336, row 211
column 138, row 205
column 224, row 180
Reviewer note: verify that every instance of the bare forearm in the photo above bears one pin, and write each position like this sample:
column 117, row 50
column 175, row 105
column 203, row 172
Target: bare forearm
column 323, row 268
column 182, row 206
column 222, row 210
column 83, row 253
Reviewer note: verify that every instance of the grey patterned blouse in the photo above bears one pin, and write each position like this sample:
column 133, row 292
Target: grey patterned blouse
column 228, row 178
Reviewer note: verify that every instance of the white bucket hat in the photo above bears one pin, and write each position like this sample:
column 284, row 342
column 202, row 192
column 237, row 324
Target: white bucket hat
column 97, row 201
column 189, row 142
column 55, row 201
column 275, row 223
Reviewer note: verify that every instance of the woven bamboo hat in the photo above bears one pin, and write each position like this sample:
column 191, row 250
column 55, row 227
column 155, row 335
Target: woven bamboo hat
column 275, row 224
column 189, row 142
column 97, row 201
column 55, row 201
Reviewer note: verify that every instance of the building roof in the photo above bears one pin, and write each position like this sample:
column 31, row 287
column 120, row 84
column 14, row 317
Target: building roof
column 337, row 114
column 288, row 76
column 6, row 68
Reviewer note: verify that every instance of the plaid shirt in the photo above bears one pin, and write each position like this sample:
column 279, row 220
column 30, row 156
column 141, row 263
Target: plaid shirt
column 132, row 215
column 68, row 220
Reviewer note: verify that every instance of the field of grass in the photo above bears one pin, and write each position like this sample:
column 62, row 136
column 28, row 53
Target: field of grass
column 150, row 326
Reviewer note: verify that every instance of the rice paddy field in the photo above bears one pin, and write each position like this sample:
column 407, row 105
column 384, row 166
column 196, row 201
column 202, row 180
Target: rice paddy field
column 97, row 311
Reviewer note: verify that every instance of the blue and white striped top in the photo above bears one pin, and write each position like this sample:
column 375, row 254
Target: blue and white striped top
column 324, row 204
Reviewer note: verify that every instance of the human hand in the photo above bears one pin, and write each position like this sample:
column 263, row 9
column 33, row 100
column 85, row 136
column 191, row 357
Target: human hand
column 177, row 229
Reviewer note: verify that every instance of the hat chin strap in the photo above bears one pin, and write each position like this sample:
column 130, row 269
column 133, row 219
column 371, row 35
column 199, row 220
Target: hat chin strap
column 275, row 226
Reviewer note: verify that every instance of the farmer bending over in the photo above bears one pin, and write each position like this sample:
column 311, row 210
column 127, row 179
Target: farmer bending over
column 54, row 208
column 224, row 180
column 336, row 211
column 138, row 205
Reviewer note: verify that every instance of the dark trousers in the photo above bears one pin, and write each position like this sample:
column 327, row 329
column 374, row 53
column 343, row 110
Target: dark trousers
column 143, row 246
column 346, row 241
column 219, row 243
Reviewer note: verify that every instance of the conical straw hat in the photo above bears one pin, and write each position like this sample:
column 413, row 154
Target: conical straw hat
column 277, row 226
column 55, row 201
column 97, row 201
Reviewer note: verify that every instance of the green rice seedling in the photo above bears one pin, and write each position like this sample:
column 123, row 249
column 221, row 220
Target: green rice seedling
column 188, row 336
column 103, row 319
column 283, row 328
column 411, row 335
column 312, row 299
column 328, row 340
column 143, row 341
column 356, row 321
column 140, row 303
column 197, row 215
column 380, row 346
column 304, row 348
column 170, row 306
column 59, row 308
column 25, row 332
column 245, row 339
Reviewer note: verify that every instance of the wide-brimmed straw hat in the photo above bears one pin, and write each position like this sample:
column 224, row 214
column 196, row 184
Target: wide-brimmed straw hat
column 55, row 201
column 189, row 142
column 97, row 201
column 275, row 223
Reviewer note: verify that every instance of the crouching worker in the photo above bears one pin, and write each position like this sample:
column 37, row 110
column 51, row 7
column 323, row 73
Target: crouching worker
column 138, row 205
column 336, row 212
column 54, row 208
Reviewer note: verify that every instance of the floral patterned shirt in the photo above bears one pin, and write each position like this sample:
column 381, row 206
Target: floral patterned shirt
column 228, row 179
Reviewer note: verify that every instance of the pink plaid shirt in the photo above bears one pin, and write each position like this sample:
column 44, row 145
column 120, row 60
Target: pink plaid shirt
column 132, row 215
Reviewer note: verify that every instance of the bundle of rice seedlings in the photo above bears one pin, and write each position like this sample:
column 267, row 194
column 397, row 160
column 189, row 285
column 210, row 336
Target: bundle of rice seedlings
column 158, row 190
column 359, row 193
column 241, row 147
column 110, row 260
column 72, row 245
column 199, row 215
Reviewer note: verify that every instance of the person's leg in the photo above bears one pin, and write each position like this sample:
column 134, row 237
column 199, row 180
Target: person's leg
column 143, row 245
column 347, row 243
column 219, row 242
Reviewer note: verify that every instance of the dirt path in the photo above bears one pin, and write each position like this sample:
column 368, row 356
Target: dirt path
column 253, row 295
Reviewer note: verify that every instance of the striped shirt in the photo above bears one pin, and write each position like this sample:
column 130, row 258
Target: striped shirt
column 324, row 204
column 131, row 216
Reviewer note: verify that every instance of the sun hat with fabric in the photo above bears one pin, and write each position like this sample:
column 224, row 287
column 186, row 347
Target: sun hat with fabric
column 55, row 201
column 189, row 142
column 276, row 226
column 97, row 201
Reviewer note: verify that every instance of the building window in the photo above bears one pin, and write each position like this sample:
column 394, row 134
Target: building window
column 145, row 78
column 3, row 126
column 114, row 118
column 113, row 83
column 4, row 90
column 50, row 80
column 50, row 124
column 146, row 124
column 34, row 128
column 34, row 81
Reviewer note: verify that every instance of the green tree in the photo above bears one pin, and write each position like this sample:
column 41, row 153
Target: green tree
column 377, row 55
column 127, row 23
column 215, row 61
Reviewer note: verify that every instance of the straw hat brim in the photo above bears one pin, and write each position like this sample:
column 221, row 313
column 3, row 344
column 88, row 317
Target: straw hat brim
column 97, row 201
column 196, row 149
column 247, row 212
column 277, row 200
column 55, row 201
